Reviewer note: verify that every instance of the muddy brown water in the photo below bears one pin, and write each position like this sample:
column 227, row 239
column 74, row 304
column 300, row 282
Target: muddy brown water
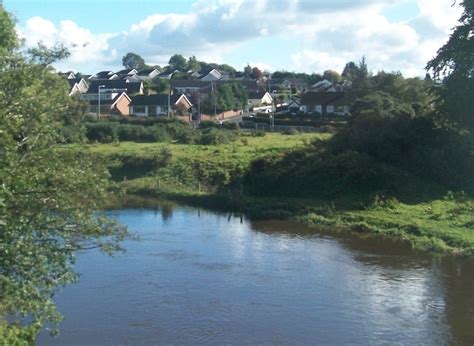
column 200, row 277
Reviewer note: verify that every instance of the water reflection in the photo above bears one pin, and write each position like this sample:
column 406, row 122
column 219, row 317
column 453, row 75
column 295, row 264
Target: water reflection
column 202, row 277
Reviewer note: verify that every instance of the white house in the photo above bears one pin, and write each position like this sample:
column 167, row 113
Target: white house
column 211, row 76
column 157, row 104
column 259, row 98
column 323, row 85
column 77, row 86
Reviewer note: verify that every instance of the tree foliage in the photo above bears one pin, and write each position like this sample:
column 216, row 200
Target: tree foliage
column 47, row 196
column 178, row 62
column 228, row 96
column 132, row 60
column 455, row 62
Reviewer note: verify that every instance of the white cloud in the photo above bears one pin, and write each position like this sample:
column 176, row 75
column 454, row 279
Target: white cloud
column 85, row 47
column 326, row 33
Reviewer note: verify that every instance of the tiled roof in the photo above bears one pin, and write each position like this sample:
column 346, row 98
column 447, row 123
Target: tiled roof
column 131, row 87
column 154, row 100
column 312, row 98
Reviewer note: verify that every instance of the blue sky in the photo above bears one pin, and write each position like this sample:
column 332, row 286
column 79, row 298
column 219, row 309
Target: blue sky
column 294, row 35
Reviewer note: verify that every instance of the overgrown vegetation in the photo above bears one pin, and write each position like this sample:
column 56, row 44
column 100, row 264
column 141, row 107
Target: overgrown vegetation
column 43, row 218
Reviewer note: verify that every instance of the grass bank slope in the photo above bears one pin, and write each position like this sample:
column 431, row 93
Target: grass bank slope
column 213, row 176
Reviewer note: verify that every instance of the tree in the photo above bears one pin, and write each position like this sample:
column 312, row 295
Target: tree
column 160, row 85
column 256, row 73
column 350, row 71
column 132, row 60
column 332, row 76
column 43, row 218
column 178, row 62
column 455, row 62
column 360, row 80
column 247, row 71
column 194, row 64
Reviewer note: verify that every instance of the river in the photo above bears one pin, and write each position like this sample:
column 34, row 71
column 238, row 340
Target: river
column 200, row 277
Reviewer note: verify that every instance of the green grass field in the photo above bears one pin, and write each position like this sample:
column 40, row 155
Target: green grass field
column 197, row 174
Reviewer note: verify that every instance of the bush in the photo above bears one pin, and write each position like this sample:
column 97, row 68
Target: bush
column 104, row 132
column 73, row 134
column 213, row 136
column 291, row 131
column 208, row 124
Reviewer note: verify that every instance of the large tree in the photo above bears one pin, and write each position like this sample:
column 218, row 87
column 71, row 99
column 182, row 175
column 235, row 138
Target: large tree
column 48, row 195
column 454, row 66
column 178, row 62
column 132, row 60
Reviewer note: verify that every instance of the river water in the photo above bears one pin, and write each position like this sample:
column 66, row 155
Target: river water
column 199, row 277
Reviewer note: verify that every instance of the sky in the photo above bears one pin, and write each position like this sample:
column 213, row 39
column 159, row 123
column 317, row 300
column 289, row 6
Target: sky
column 294, row 35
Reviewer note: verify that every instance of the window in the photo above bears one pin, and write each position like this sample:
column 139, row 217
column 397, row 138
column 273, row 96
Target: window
column 139, row 109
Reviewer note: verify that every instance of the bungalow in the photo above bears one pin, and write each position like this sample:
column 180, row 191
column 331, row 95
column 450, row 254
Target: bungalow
column 77, row 86
column 211, row 76
column 107, row 75
column 110, row 103
column 68, row 75
column 167, row 74
column 324, row 103
column 323, row 85
column 294, row 106
column 189, row 86
column 146, row 105
column 115, row 86
column 259, row 98
column 127, row 72
column 148, row 73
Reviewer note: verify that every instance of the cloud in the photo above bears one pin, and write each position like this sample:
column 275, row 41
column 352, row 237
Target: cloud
column 84, row 46
column 325, row 34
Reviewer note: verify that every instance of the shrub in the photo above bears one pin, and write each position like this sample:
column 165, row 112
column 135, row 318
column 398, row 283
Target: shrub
column 104, row 132
column 73, row 134
column 214, row 136
column 208, row 124
column 291, row 131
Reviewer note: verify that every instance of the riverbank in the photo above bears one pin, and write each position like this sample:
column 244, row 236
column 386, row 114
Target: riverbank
column 208, row 176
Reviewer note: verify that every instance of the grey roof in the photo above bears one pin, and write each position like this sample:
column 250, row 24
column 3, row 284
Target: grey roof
column 102, row 75
column 257, row 95
column 106, row 101
column 312, row 98
column 154, row 100
column 119, row 84
column 189, row 83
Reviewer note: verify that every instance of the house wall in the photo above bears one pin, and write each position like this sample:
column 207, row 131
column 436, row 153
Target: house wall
column 122, row 106
column 267, row 99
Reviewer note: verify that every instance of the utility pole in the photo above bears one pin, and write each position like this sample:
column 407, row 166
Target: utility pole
column 199, row 107
column 169, row 100
column 98, row 110
column 215, row 99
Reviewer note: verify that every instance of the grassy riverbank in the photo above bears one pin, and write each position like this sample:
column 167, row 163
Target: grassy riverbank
column 211, row 176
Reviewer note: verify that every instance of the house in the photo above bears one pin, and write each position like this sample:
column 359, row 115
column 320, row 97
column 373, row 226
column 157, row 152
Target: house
column 148, row 105
column 115, row 85
column 323, row 85
column 68, row 75
column 107, row 75
column 211, row 76
column 131, row 78
column 77, row 86
column 167, row 74
column 110, row 102
column 324, row 103
column 148, row 73
column 259, row 98
column 294, row 106
column 189, row 86
column 127, row 72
